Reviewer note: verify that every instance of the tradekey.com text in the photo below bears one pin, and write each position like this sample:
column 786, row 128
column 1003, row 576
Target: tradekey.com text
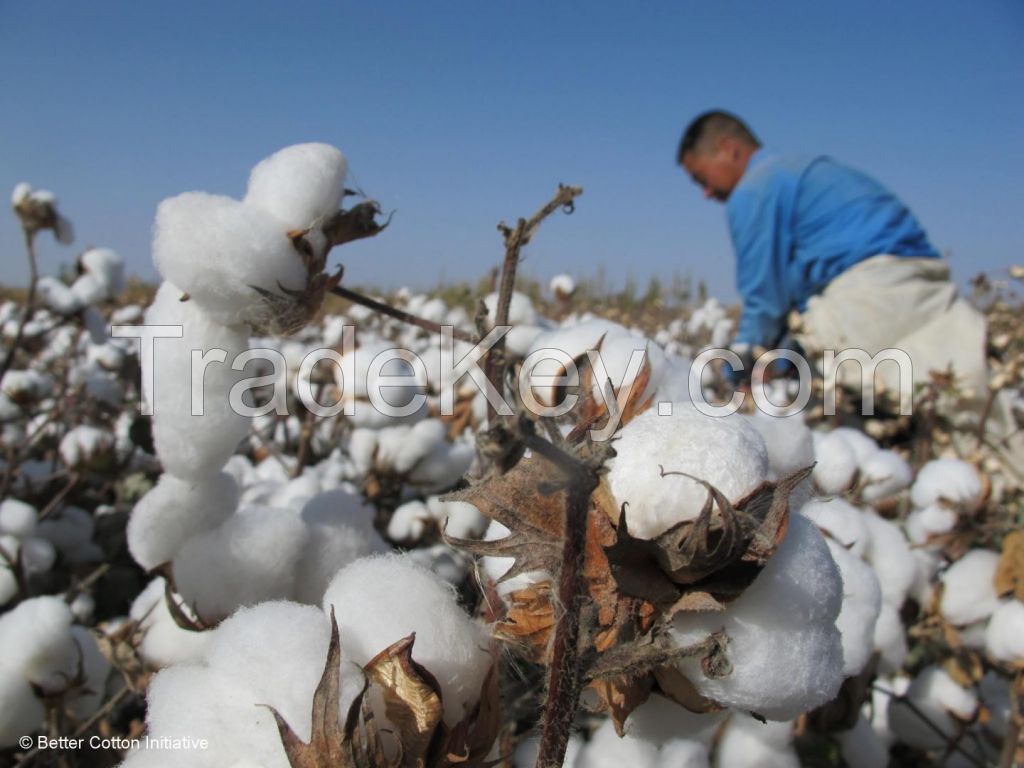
column 118, row 743
column 544, row 382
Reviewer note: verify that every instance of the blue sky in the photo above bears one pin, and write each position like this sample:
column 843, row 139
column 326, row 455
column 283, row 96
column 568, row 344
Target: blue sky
column 461, row 114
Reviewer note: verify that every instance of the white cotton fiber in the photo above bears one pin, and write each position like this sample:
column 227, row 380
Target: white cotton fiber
column 840, row 520
column 216, row 249
column 788, row 441
column 458, row 518
column 443, row 467
column 57, row 296
column 193, row 447
column 520, row 309
column 409, row 521
column 163, row 642
column 836, row 462
column 175, row 510
column 968, row 588
column 83, row 444
column 496, row 567
column 890, row 639
column 251, row 557
column 36, row 638
column 606, row 750
column 37, row 555
column 660, row 720
column 106, row 267
column 448, row 643
column 937, row 697
column 340, row 526
column 862, row 601
column 21, row 712
column 861, row 747
column 728, row 453
column 892, row 558
column 952, row 480
column 883, row 474
column 862, row 445
column 17, row 518
column 1004, row 637
column 299, row 185
column 748, row 743
column 785, row 650
column 616, row 353
column 933, row 520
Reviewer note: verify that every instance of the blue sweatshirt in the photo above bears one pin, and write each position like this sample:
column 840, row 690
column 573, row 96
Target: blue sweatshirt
column 797, row 223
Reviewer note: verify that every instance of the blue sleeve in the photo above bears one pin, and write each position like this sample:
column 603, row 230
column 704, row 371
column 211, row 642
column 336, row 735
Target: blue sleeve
column 760, row 216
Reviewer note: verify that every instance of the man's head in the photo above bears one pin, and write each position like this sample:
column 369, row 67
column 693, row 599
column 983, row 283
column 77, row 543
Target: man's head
column 715, row 150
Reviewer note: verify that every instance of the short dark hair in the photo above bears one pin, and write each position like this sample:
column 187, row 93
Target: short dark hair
column 709, row 127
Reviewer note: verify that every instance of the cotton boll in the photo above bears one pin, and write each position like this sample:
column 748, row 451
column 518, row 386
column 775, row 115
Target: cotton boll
column 840, row 520
column 497, row 567
column 163, row 642
column 175, row 510
column 727, row 453
column 57, row 296
column 938, row 697
column 892, row 558
column 250, row 558
column 409, row 522
column 217, row 250
column 606, row 750
column 616, row 354
column 747, row 743
column 37, row 555
column 862, row 601
column 968, row 589
column 193, row 447
column 788, row 440
column 952, row 480
column 836, row 463
column 926, row 564
column 861, row 746
column 562, row 285
column 785, row 650
column 70, row 530
column 890, row 639
column 520, row 309
column 296, row 492
column 883, row 474
column 106, row 267
column 1004, row 637
column 443, row 561
column 36, row 638
column 443, row 467
column 8, row 584
column 458, row 518
column 17, row 518
column 83, row 608
column 933, row 520
column 863, row 446
column 300, row 184
column 21, row 712
column 448, row 643
column 660, row 720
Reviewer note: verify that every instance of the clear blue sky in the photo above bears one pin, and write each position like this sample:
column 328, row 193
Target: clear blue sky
column 460, row 114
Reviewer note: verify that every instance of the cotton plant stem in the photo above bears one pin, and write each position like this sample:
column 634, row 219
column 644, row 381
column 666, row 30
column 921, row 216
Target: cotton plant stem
column 386, row 309
column 30, row 301
column 1014, row 738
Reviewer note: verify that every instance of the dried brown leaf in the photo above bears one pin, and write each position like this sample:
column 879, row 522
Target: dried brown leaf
column 1009, row 577
column 620, row 695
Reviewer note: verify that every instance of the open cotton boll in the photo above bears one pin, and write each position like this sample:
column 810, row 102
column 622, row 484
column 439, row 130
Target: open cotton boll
column 458, row 518
column 393, row 377
column 409, row 522
column 70, row 530
column 21, row 712
column 951, row 480
column 861, row 747
column 748, row 743
column 968, row 588
column 57, row 296
column 836, row 462
column 448, row 643
column 17, row 518
column 933, row 520
column 616, row 354
column 250, row 558
column 174, row 511
column 562, row 285
column 443, row 467
column 300, row 184
column 788, row 441
column 37, row 641
column 727, row 453
column 520, row 309
column 83, row 444
column 892, row 558
column 1004, row 636
column 37, row 555
column 193, row 447
column 106, row 267
column 163, row 642
column 785, row 650
column 937, row 697
column 496, row 567
column 890, row 639
column 862, row 445
column 660, row 720
column 217, row 249
column 883, row 474
column 862, row 601
column 840, row 520
column 606, row 750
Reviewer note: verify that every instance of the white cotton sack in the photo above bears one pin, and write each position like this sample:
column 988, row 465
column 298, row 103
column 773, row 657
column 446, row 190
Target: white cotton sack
column 862, row 602
column 785, row 650
column 892, row 558
column 21, row 712
column 950, row 480
column 884, row 474
column 748, row 743
column 193, row 447
column 1004, row 636
column 17, row 518
column 163, row 642
column 968, row 588
column 299, row 185
column 448, row 643
column 175, row 510
column 836, row 462
column 727, row 453
column 217, row 249
column 253, row 556
column 937, row 697
column 36, row 639
column 841, row 521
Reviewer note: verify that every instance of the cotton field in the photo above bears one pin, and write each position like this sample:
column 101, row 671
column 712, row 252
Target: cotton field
column 256, row 521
